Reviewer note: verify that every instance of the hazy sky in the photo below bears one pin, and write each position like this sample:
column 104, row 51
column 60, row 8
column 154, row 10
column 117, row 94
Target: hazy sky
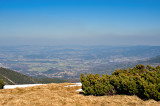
column 88, row 22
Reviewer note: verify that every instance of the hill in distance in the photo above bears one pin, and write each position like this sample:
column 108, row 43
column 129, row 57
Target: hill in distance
column 154, row 59
column 11, row 77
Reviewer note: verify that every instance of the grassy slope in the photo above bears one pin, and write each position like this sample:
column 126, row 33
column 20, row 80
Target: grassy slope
column 58, row 95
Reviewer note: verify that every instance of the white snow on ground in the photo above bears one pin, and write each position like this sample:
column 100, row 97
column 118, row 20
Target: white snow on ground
column 20, row 86
column 77, row 84
column 27, row 85
column 79, row 90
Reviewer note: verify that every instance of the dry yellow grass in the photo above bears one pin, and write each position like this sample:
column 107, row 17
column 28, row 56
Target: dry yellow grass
column 58, row 95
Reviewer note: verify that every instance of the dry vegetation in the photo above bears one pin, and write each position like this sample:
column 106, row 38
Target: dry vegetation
column 58, row 95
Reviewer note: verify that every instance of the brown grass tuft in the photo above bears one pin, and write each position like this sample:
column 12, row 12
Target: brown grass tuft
column 58, row 95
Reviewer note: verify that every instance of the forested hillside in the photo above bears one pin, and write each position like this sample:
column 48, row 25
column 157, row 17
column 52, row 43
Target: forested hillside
column 12, row 77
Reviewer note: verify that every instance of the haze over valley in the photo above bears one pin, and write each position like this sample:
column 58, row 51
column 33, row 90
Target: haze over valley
column 70, row 61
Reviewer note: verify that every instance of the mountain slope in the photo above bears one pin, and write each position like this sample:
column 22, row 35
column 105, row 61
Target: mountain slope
column 154, row 59
column 12, row 77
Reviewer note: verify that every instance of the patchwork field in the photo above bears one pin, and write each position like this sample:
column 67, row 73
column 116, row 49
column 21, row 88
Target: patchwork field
column 58, row 95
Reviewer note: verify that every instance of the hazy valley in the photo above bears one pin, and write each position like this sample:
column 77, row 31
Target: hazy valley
column 70, row 61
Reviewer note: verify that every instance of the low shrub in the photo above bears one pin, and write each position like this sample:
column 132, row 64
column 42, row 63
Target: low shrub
column 96, row 85
column 140, row 80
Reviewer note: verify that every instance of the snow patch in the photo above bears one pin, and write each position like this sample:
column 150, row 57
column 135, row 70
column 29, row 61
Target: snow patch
column 19, row 86
column 77, row 84
column 79, row 90
column 28, row 85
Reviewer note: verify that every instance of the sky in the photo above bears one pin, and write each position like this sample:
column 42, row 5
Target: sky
column 80, row 22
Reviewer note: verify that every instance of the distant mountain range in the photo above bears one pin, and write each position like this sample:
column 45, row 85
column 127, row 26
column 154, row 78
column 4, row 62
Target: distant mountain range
column 11, row 77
